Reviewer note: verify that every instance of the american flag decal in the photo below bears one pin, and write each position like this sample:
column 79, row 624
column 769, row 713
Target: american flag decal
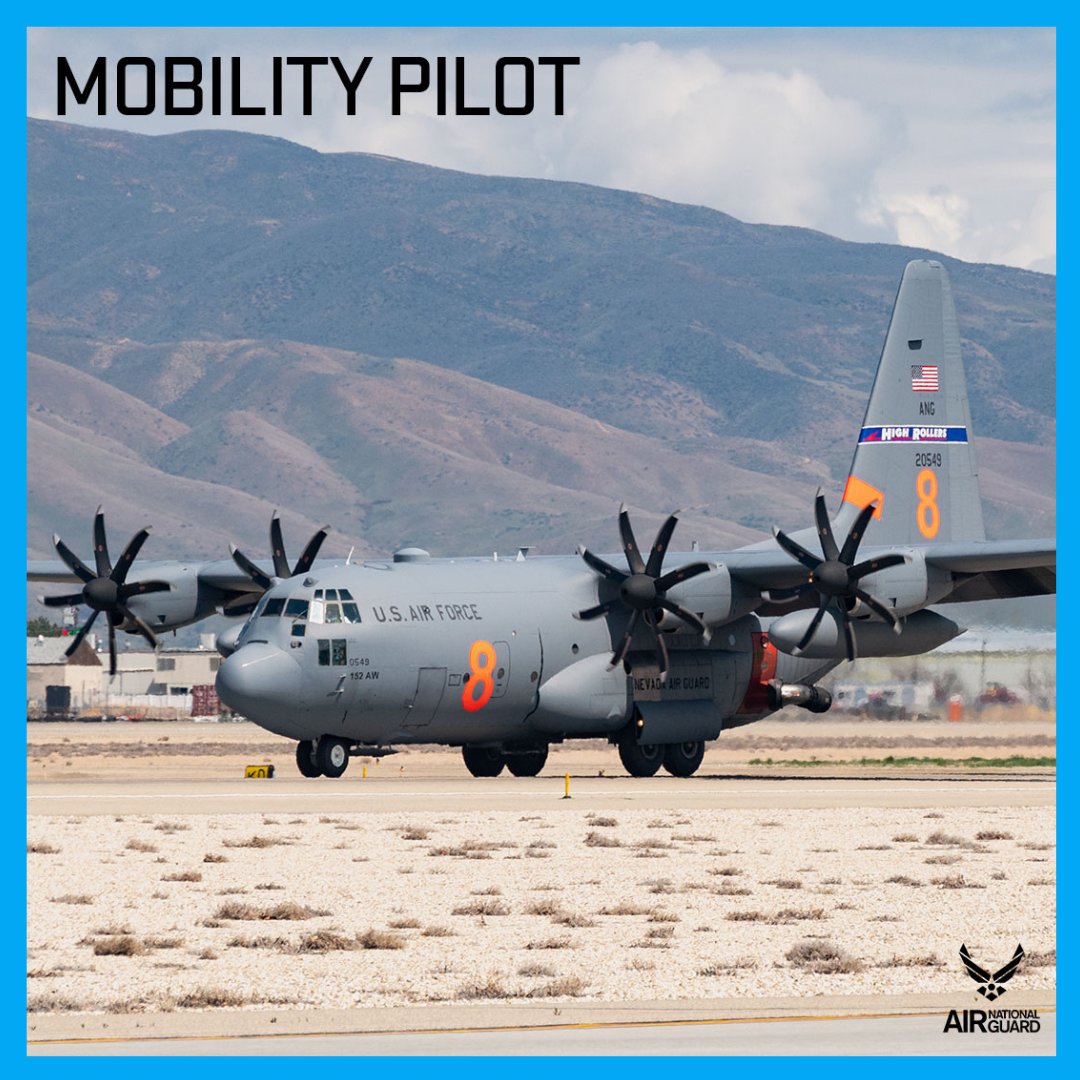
column 924, row 378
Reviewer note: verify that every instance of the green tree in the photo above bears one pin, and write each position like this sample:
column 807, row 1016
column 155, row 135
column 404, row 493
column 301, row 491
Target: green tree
column 40, row 625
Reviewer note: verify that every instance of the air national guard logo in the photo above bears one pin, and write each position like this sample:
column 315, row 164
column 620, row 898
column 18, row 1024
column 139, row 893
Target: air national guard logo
column 991, row 986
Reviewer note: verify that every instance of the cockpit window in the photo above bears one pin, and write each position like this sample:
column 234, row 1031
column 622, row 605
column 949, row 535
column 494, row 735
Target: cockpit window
column 274, row 606
column 333, row 610
column 296, row 609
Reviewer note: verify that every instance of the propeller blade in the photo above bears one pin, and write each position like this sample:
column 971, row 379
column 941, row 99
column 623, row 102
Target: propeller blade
column 872, row 566
column 75, row 564
column 600, row 609
column 112, row 649
column 123, row 564
column 796, row 550
column 61, row 601
column 69, row 651
column 624, row 647
column 681, row 574
column 849, row 639
column 101, row 548
column 686, row 616
column 879, row 609
column 824, row 528
column 148, row 635
column 605, row 570
column 141, row 588
column 851, row 544
column 633, row 555
column 815, row 622
column 307, row 557
column 249, row 567
column 661, row 645
column 660, row 545
column 277, row 549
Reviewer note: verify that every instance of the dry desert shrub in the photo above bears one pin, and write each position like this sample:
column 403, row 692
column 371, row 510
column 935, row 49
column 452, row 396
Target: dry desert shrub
column 214, row 857
column 1041, row 881
column 1040, row 959
column 727, row 888
column 119, row 946
column 625, row 907
column 245, row 941
column 233, row 909
column 595, row 839
column 536, row 853
column 661, row 933
column 141, row 845
column 823, row 958
column 721, row 967
column 437, row 931
column 790, row 915
column 659, row 916
column 784, row 883
column 726, row 871
column 542, row 844
column 903, row 879
column 490, row 890
column 182, row 875
column 171, row 826
column 414, row 833
column 746, row 916
column 573, row 919
column 326, row 941
column 211, row 997
column 660, row 886
column 993, row 834
column 928, row 960
column 52, row 1003
column 255, row 842
column 548, row 906
column 639, row 963
column 905, row 838
column 536, row 971
column 269, row 887
column 482, row 907
column 41, row 847
column 567, row 986
column 405, row 924
column 73, row 898
column 955, row 881
column 380, row 939
column 162, row 942
column 601, row 822
column 551, row 943
column 491, row 986
column 942, row 860
column 1030, row 846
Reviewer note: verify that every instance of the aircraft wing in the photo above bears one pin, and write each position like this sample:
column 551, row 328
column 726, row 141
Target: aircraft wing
column 987, row 570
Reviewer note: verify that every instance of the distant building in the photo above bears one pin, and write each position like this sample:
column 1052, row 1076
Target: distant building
column 46, row 665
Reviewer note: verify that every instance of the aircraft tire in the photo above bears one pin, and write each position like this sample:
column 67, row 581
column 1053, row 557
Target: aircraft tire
column 684, row 758
column 305, row 759
column 332, row 756
column 527, row 764
column 483, row 760
column 640, row 759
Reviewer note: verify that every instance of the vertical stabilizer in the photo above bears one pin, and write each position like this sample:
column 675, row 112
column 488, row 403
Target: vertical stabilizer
column 915, row 455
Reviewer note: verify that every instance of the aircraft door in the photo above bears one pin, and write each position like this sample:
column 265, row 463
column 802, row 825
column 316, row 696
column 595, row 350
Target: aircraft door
column 501, row 675
column 430, row 685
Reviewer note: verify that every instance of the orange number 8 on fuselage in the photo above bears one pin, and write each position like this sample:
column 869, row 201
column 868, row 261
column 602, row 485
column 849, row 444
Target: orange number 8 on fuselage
column 477, row 691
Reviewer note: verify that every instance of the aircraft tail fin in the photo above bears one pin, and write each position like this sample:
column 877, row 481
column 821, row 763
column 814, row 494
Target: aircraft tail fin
column 915, row 457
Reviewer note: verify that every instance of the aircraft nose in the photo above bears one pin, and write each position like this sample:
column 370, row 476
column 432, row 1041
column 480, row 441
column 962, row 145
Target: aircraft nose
column 259, row 681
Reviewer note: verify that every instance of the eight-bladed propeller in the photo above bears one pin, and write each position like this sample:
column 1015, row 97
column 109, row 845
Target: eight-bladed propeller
column 106, row 589
column 836, row 577
column 281, row 562
column 644, row 590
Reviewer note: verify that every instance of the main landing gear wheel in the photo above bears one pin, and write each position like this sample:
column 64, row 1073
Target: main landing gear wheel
column 640, row 759
column 332, row 756
column 305, row 759
column 483, row 760
column 527, row 764
column 683, row 758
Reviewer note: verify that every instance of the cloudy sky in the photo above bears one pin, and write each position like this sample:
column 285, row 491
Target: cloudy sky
column 939, row 138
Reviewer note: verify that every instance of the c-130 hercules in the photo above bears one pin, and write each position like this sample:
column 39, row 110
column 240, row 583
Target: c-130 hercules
column 656, row 652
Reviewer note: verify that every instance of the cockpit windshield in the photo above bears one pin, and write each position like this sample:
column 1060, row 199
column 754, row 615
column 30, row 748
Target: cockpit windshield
column 327, row 606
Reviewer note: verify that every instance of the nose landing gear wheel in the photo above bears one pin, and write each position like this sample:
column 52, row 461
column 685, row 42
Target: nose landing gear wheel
column 640, row 759
column 683, row 759
column 305, row 759
column 483, row 760
column 332, row 756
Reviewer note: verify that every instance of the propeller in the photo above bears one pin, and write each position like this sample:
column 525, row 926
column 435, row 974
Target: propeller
column 281, row 562
column 105, row 588
column 836, row 577
column 644, row 589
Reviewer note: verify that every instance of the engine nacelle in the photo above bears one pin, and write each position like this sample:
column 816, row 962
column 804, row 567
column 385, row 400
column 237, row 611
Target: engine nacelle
column 920, row 632
column 713, row 596
column 228, row 641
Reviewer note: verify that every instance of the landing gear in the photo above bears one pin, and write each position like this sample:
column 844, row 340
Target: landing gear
column 305, row 759
column 640, row 759
column 484, row 760
column 527, row 764
column 332, row 756
column 683, row 759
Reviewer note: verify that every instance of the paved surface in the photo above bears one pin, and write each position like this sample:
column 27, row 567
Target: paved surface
column 852, row 1035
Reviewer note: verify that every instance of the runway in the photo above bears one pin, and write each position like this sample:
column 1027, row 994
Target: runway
column 864, row 1035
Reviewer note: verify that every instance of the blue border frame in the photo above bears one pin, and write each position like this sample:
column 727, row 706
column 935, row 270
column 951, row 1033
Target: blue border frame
column 554, row 13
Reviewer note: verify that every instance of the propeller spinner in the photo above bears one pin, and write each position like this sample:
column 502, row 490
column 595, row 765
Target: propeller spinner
column 836, row 577
column 105, row 589
column 644, row 590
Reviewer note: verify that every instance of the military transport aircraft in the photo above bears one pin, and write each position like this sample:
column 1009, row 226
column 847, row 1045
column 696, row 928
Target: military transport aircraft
column 657, row 652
